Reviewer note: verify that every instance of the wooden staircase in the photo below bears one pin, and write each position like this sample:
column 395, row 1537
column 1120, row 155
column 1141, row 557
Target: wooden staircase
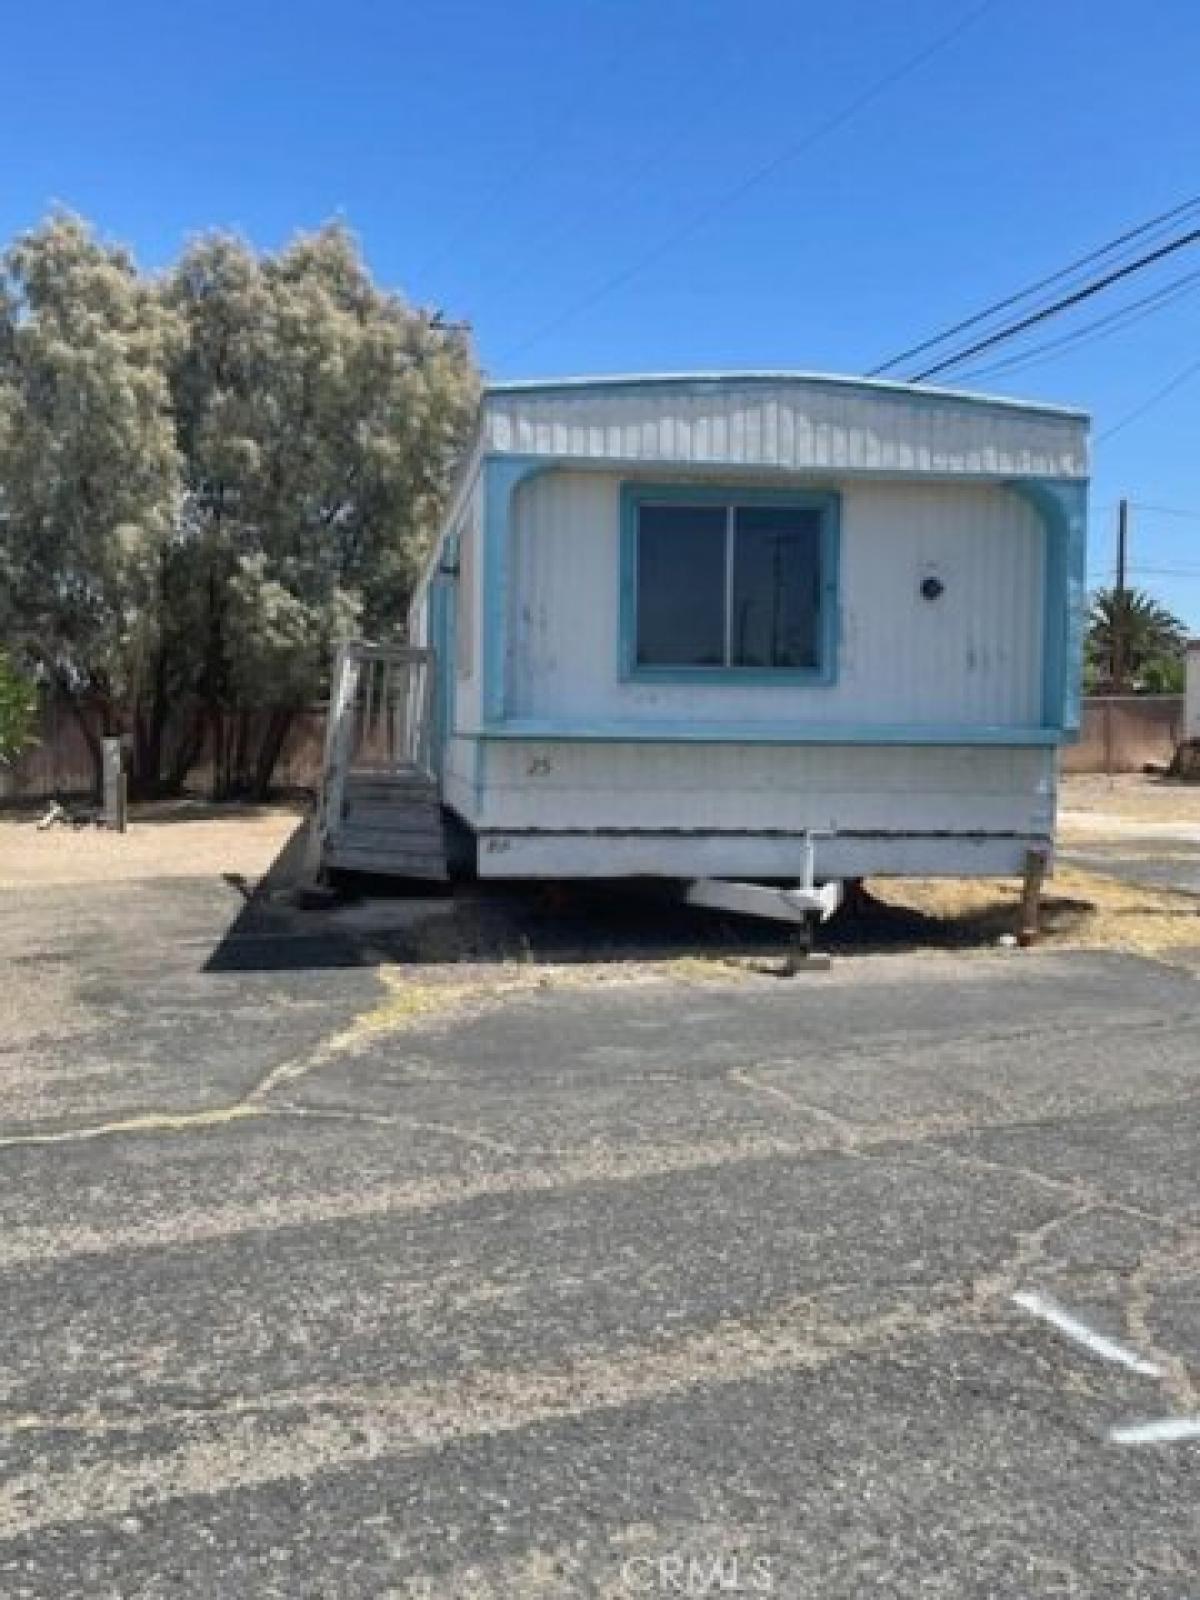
column 380, row 808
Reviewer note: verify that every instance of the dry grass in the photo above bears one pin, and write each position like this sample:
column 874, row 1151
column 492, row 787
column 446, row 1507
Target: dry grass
column 1081, row 910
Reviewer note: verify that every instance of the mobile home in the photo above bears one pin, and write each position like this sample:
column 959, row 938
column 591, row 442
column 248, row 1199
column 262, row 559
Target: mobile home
column 694, row 627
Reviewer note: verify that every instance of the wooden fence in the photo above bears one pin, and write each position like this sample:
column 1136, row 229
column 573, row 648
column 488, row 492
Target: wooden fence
column 59, row 764
column 1124, row 733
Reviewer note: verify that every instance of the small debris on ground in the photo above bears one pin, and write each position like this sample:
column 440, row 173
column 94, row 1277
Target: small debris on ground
column 58, row 815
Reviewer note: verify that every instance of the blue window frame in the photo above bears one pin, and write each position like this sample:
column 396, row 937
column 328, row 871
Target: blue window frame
column 728, row 585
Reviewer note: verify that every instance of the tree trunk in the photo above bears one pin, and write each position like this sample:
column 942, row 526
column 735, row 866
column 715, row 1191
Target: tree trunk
column 149, row 729
column 186, row 753
column 240, row 780
column 138, row 785
column 279, row 725
column 219, row 775
column 148, row 754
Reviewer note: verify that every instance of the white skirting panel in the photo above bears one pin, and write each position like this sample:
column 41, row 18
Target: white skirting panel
column 548, row 786
column 557, row 809
column 583, row 855
column 458, row 777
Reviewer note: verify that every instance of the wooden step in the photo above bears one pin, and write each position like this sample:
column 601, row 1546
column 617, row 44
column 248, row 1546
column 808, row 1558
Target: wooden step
column 350, row 856
column 390, row 824
column 358, row 805
column 387, row 822
column 381, row 818
column 404, row 844
column 410, row 781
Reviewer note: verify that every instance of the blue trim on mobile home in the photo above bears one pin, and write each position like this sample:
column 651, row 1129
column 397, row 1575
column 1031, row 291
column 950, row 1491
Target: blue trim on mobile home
column 502, row 475
column 636, row 731
column 1062, row 506
column 635, row 494
column 704, row 382
column 441, row 632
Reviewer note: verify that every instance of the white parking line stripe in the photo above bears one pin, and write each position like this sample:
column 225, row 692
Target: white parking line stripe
column 1108, row 1349
column 1165, row 1431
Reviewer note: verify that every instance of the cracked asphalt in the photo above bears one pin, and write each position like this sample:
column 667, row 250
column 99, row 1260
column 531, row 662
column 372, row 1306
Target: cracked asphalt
column 328, row 1274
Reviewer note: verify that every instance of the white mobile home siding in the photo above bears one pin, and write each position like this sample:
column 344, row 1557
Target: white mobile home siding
column 933, row 748
column 797, row 424
column 974, row 656
column 730, row 809
column 463, row 532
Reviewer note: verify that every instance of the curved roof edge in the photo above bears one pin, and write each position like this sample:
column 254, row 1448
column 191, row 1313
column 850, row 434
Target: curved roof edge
column 648, row 380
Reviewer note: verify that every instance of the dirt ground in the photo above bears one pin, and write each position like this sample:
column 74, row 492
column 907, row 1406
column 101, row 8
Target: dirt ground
column 1090, row 800
column 178, row 840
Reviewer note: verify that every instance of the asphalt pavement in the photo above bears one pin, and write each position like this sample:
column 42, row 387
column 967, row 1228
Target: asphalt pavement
column 328, row 1273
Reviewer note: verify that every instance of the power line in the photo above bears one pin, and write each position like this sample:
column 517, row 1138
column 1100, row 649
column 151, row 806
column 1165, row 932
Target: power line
column 565, row 228
column 1169, row 387
column 551, row 141
column 759, row 175
column 1166, row 511
column 1102, row 327
column 561, row 228
column 1189, row 512
column 1002, row 335
column 1109, row 249
column 1096, row 574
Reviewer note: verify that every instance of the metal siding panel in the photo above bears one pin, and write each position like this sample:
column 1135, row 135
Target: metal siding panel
column 752, row 432
column 612, row 429
column 548, row 785
column 974, row 656
column 802, row 423
column 458, row 777
column 468, row 694
column 722, row 449
column 509, row 855
column 531, row 855
column 770, row 429
column 564, row 592
column 648, row 423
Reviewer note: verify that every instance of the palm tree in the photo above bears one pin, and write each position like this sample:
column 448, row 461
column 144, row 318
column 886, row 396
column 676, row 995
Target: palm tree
column 1151, row 637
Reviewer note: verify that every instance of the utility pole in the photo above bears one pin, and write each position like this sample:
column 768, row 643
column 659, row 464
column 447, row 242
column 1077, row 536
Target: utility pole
column 1120, row 612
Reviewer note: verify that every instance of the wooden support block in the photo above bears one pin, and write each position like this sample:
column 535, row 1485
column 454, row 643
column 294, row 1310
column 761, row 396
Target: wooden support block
column 1031, row 898
column 811, row 961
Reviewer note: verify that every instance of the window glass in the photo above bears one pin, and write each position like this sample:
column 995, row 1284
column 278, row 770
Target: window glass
column 776, row 598
column 681, row 586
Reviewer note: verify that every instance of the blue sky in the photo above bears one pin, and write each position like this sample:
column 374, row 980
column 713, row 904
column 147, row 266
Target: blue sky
column 569, row 176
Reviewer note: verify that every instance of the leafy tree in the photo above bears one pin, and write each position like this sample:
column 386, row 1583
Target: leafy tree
column 1163, row 675
column 1153, row 639
column 18, row 711
column 318, row 417
column 207, row 479
column 88, row 463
